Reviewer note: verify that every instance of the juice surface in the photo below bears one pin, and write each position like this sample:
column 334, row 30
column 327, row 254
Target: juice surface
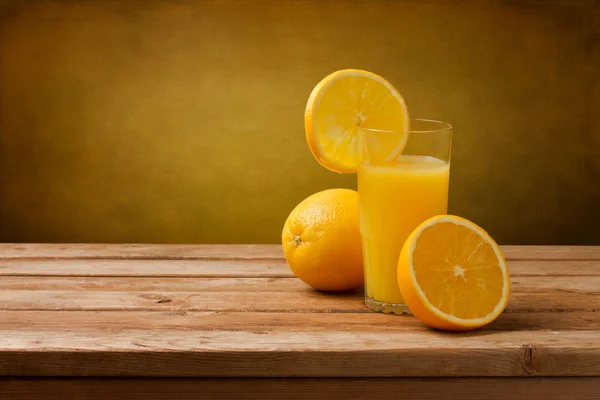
column 394, row 198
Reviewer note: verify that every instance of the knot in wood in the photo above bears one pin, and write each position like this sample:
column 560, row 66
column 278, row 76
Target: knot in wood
column 529, row 361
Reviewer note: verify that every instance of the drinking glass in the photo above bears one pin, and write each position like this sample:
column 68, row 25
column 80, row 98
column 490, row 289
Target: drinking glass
column 396, row 196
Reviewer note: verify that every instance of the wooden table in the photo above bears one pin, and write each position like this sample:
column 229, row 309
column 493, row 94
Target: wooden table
column 206, row 321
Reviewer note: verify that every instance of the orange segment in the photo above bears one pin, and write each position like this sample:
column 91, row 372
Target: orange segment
column 346, row 101
column 452, row 274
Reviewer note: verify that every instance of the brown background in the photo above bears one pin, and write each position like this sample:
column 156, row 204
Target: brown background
column 182, row 121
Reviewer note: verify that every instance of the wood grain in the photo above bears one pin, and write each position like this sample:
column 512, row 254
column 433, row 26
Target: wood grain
column 211, row 353
column 171, row 284
column 551, row 252
column 301, row 388
column 238, row 268
column 141, row 251
column 589, row 285
column 239, row 252
column 220, row 312
column 308, row 300
column 95, row 322
column 150, row 268
column 253, row 301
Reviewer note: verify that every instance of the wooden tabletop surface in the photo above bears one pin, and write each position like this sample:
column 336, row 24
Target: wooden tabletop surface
column 236, row 311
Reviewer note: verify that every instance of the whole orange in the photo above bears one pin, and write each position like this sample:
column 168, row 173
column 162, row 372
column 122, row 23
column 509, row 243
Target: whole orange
column 321, row 241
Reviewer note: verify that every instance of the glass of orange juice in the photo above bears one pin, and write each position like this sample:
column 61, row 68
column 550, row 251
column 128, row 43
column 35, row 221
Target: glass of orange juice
column 394, row 198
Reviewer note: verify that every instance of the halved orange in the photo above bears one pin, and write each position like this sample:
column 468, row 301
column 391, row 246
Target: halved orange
column 341, row 104
column 452, row 274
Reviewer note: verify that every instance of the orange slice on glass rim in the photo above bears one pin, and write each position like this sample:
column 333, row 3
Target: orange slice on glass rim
column 341, row 104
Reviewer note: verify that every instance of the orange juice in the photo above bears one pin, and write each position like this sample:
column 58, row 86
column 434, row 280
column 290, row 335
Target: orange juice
column 394, row 198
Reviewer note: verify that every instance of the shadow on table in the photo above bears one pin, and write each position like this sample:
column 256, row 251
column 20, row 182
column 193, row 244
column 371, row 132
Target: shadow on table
column 527, row 321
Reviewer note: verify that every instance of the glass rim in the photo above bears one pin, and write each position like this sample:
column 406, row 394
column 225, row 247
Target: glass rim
column 442, row 126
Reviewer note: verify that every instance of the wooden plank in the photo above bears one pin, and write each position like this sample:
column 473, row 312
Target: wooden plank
column 550, row 284
column 256, row 301
column 519, row 284
column 237, row 268
column 241, row 251
column 211, row 353
column 95, row 323
column 56, row 300
column 579, row 268
column 148, row 268
column 551, row 252
column 141, row 251
column 129, row 284
column 301, row 388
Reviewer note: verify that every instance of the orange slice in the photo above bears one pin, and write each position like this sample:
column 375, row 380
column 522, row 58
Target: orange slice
column 452, row 274
column 346, row 101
